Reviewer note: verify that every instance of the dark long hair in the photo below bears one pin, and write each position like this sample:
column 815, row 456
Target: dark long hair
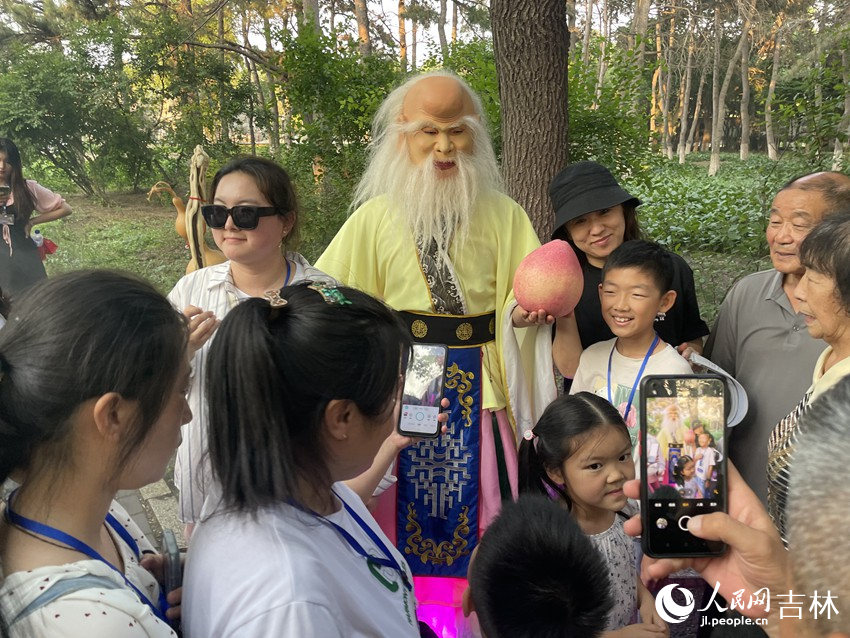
column 4, row 305
column 272, row 373
column 24, row 202
column 273, row 182
column 75, row 337
column 563, row 427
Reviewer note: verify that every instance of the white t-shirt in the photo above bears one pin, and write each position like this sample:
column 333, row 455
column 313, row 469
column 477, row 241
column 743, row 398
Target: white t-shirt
column 285, row 573
column 592, row 376
column 709, row 458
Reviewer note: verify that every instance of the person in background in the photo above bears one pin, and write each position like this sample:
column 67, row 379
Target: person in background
column 91, row 402
column 760, row 336
column 20, row 261
column 596, row 215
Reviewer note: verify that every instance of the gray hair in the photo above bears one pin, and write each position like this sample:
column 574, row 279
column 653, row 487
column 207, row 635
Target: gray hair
column 818, row 513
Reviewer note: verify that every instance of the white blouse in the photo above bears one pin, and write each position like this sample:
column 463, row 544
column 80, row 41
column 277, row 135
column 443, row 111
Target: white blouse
column 91, row 612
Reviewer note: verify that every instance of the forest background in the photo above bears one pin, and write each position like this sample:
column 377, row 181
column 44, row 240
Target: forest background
column 702, row 107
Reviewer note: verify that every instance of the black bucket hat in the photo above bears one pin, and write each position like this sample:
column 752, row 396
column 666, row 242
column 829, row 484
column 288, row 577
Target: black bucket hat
column 582, row 188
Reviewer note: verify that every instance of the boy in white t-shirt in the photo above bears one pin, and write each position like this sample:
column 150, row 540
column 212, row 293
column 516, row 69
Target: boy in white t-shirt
column 636, row 291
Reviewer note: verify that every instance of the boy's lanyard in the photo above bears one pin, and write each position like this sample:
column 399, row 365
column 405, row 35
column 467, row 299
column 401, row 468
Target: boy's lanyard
column 387, row 561
column 78, row 545
column 637, row 378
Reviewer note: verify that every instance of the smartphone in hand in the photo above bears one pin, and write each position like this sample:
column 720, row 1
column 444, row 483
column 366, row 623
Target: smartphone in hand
column 423, row 391
column 172, row 568
column 682, row 461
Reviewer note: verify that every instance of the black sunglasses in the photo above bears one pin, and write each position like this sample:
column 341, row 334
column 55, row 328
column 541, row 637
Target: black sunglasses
column 244, row 217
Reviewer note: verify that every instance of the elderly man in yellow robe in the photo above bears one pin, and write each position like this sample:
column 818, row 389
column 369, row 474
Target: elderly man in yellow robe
column 436, row 239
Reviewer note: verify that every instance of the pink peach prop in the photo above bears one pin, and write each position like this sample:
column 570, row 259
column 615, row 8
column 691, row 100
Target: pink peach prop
column 549, row 278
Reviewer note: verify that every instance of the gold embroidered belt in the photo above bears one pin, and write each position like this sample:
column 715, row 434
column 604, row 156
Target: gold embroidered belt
column 456, row 331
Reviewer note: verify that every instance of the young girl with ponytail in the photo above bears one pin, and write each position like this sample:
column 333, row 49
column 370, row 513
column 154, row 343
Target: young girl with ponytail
column 92, row 397
column 580, row 452
column 303, row 390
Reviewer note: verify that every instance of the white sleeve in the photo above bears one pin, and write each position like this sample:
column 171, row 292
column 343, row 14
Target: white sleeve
column 292, row 619
column 580, row 380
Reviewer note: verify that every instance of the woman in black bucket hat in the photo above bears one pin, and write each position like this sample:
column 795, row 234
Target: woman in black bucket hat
column 596, row 215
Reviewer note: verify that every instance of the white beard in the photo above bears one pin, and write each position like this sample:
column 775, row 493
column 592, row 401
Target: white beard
column 434, row 207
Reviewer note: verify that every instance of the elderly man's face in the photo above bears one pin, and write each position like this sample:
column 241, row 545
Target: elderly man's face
column 792, row 216
column 435, row 108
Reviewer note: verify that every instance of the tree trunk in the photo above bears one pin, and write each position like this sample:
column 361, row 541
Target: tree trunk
column 695, row 122
column 718, row 117
column 640, row 22
column 402, row 37
column 588, row 24
column 311, row 14
column 454, row 22
column 666, row 134
column 571, row 22
column 657, row 79
column 602, row 67
column 745, row 101
column 838, row 147
column 274, row 132
column 441, row 30
column 255, row 78
column 414, row 32
column 332, row 14
column 361, row 14
column 686, row 96
column 772, row 151
column 531, row 45
column 224, row 128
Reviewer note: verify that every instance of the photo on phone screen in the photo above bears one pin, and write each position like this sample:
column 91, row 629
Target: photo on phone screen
column 423, row 390
column 683, row 460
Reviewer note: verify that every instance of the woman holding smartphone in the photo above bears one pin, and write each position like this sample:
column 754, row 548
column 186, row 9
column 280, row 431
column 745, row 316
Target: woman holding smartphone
column 20, row 262
column 303, row 391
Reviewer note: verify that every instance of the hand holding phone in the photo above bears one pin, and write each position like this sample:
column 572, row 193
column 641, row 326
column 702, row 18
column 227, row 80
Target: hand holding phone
column 683, row 464
column 423, row 391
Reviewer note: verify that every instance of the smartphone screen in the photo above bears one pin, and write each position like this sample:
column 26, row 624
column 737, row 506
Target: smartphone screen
column 423, row 390
column 683, row 461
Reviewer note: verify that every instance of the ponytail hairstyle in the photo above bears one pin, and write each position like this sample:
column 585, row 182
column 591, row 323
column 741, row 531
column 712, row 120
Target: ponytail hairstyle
column 76, row 337
column 679, row 469
column 272, row 371
column 564, row 426
column 24, row 202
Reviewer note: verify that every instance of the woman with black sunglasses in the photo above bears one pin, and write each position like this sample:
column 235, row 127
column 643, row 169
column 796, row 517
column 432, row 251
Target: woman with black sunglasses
column 254, row 220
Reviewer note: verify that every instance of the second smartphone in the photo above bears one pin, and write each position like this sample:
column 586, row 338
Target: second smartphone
column 423, row 391
column 683, row 461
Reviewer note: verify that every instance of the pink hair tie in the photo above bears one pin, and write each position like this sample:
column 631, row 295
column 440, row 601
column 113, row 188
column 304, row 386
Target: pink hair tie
column 528, row 435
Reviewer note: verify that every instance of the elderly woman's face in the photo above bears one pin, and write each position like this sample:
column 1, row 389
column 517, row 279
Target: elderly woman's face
column 818, row 301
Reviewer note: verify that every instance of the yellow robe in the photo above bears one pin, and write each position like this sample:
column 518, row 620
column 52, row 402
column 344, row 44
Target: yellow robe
column 375, row 252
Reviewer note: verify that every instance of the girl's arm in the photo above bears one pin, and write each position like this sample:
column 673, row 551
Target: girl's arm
column 646, row 606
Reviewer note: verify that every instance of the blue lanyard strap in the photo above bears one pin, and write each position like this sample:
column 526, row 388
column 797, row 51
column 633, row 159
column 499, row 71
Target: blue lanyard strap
column 74, row 543
column 637, row 378
column 388, row 560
